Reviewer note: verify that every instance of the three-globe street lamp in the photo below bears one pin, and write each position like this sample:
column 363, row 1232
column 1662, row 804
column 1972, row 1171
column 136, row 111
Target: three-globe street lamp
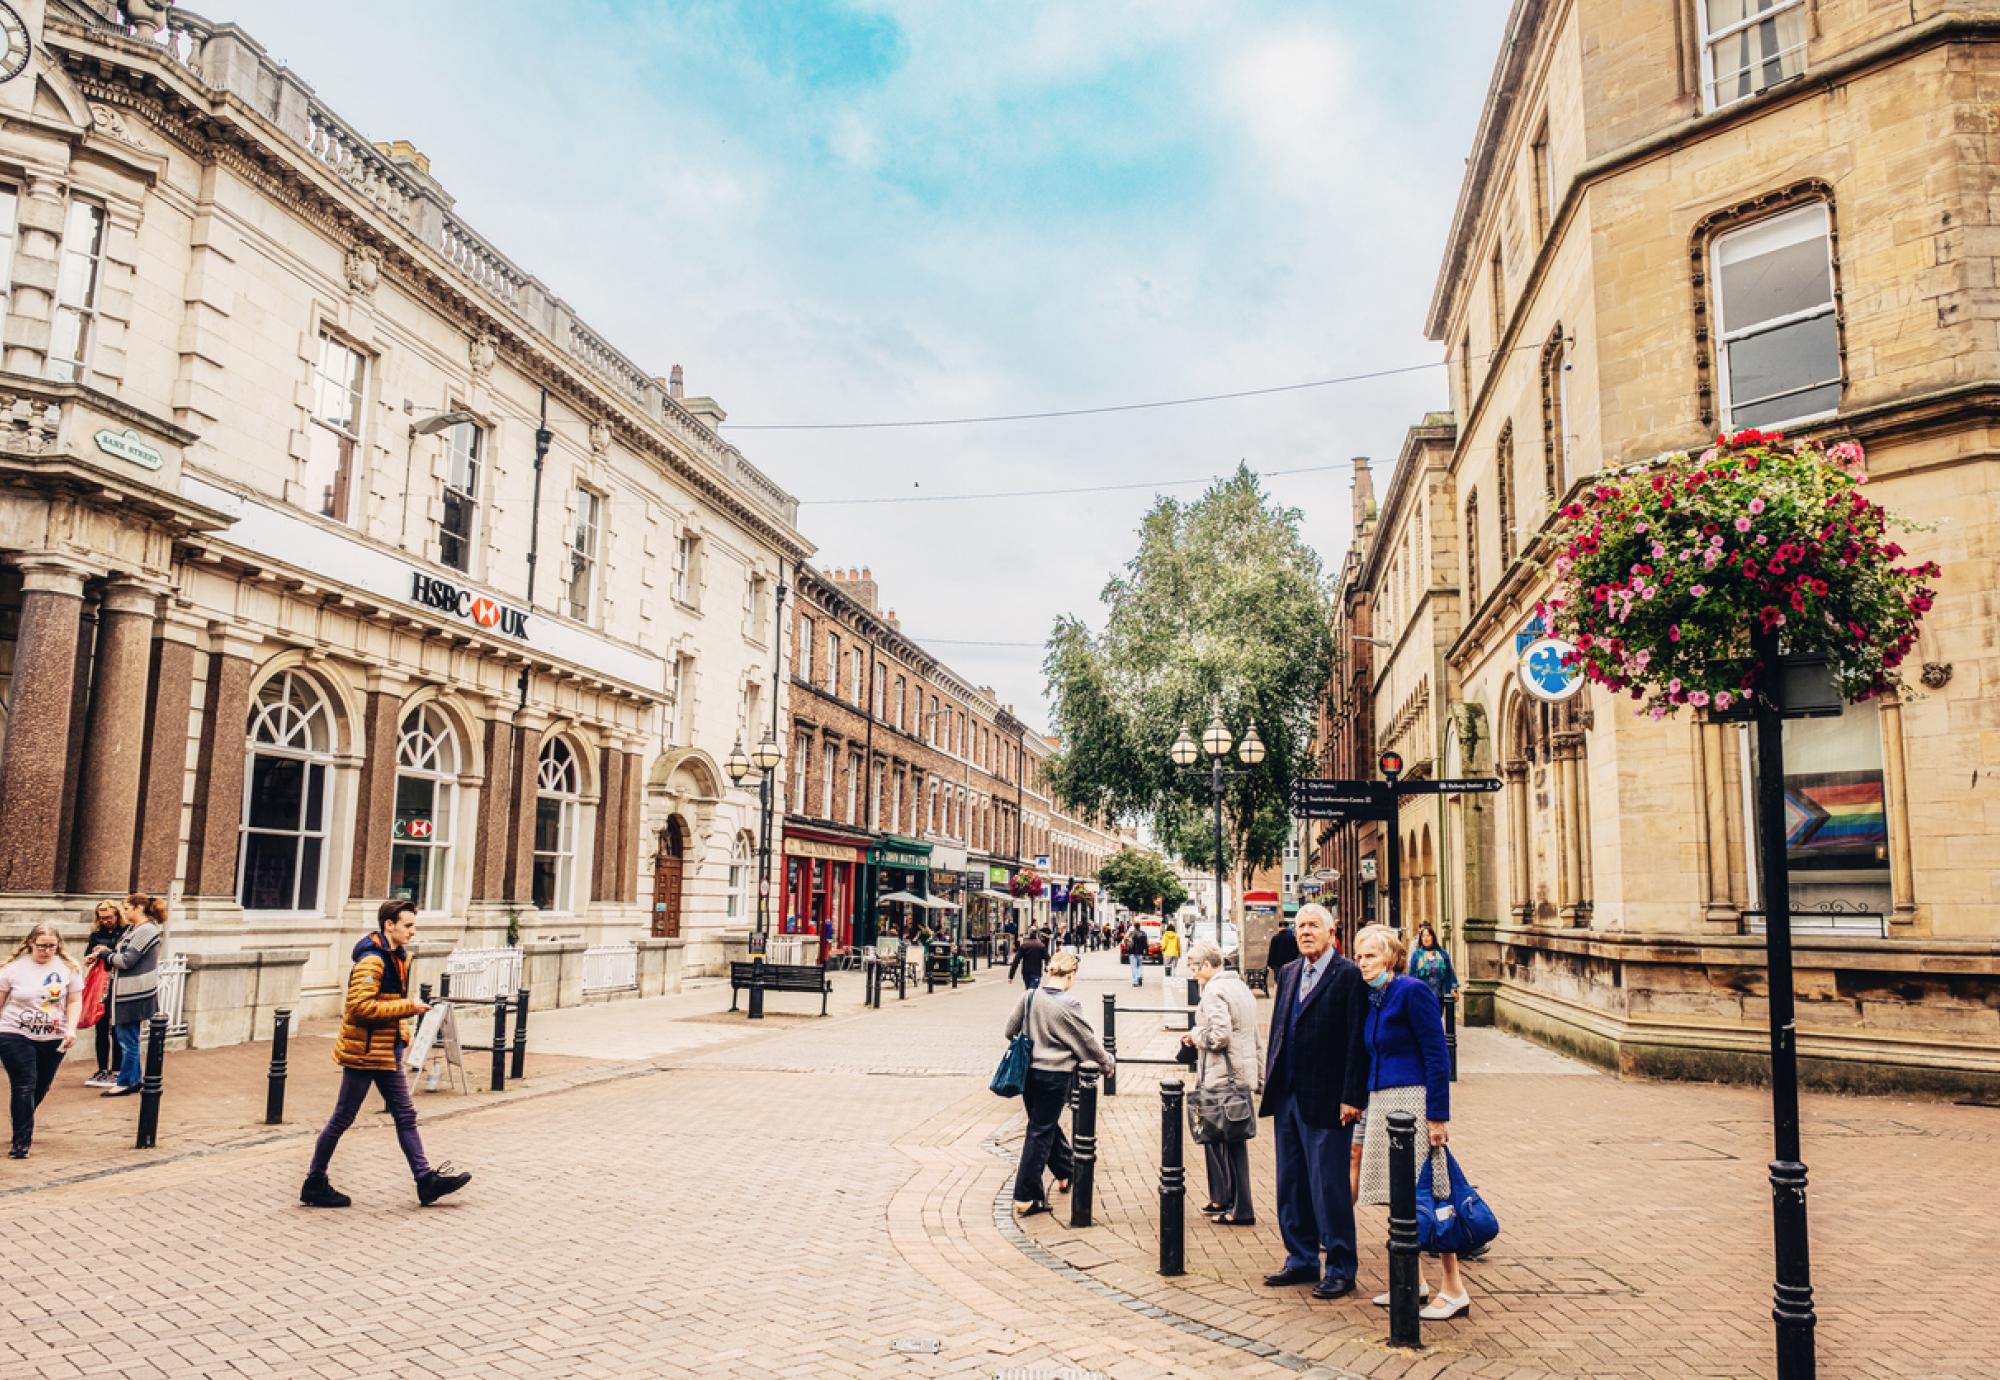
column 1215, row 741
column 762, row 762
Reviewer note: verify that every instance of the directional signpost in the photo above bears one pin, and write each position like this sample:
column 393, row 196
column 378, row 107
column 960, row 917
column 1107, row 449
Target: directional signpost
column 1319, row 797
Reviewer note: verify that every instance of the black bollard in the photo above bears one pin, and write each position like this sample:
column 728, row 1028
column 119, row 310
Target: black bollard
column 757, row 987
column 1194, row 999
column 499, row 1044
column 1451, row 1032
column 1173, row 1181
column 1405, row 1329
column 1111, row 1043
column 444, row 986
column 1083, row 1145
column 902, row 973
column 149, row 1088
column 521, row 1033
column 281, row 1039
column 954, row 970
column 424, row 993
column 930, row 973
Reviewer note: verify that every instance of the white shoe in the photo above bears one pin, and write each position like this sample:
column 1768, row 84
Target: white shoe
column 1423, row 1296
column 1448, row 1307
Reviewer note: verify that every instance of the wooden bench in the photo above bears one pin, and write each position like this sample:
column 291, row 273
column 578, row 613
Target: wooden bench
column 781, row 977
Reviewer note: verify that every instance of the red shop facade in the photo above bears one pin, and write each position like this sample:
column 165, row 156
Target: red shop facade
column 822, row 873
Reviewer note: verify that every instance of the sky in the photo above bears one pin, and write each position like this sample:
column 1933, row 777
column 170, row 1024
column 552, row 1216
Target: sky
column 869, row 210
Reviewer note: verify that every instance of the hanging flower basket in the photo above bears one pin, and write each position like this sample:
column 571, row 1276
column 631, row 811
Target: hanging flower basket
column 1664, row 572
column 1027, row 882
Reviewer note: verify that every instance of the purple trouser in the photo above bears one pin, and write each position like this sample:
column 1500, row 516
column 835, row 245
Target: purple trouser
column 354, row 1086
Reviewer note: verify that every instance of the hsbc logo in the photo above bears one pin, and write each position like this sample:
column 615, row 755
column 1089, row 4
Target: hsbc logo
column 477, row 609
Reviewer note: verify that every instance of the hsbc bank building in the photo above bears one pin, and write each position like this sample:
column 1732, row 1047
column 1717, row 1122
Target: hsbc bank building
column 340, row 559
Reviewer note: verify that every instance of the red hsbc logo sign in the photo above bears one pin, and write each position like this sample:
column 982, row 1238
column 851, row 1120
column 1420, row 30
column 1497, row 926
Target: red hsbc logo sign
column 477, row 609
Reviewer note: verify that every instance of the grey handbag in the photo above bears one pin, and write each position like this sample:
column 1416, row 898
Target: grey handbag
column 1223, row 1113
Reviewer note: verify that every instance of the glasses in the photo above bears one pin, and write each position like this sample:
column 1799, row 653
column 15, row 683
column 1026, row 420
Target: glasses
column 48, row 945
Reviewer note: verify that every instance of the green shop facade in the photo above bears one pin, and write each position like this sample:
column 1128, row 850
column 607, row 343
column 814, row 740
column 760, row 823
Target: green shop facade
column 895, row 867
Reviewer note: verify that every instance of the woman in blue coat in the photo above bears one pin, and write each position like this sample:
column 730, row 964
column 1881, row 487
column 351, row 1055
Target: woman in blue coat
column 1407, row 1072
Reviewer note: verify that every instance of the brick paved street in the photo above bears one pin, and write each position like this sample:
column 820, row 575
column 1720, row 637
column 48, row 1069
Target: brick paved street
column 674, row 1195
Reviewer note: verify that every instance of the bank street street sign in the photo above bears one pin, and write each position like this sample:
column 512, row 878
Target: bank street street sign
column 1543, row 671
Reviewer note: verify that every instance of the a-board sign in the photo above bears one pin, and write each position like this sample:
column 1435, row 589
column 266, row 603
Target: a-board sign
column 437, row 1031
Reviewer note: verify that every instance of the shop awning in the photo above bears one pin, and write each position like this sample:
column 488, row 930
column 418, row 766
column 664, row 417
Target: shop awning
column 936, row 903
column 991, row 894
column 906, row 897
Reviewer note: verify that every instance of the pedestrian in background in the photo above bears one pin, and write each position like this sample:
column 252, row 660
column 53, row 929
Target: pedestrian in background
column 135, row 984
column 1054, row 1020
column 1430, row 963
column 1135, row 953
column 1315, row 1086
column 1284, row 948
column 41, row 1000
column 1408, row 1072
column 1028, row 960
column 1170, row 949
column 1225, row 1033
column 105, row 928
column 369, row 1050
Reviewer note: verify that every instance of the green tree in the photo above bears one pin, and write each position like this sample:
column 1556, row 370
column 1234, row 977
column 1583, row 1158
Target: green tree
column 1142, row 882
column 1223, row 607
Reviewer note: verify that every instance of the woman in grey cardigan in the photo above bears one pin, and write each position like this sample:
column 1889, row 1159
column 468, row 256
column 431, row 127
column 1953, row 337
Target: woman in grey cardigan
column 1063, row 1040
column 135, row 982
column 1225, row 1033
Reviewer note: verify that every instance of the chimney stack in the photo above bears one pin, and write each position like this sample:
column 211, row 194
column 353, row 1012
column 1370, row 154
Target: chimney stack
column 674, row 383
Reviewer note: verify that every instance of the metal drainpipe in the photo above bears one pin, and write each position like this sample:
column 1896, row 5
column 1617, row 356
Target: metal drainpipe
column 543, row 439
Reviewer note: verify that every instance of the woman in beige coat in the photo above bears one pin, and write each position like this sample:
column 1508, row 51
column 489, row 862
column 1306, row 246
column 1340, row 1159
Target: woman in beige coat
column 1225, row 1038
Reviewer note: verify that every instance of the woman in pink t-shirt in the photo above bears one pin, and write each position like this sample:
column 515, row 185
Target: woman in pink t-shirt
column 41, row 998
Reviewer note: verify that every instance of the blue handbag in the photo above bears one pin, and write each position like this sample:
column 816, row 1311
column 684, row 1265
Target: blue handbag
column 1462, row 1222
column 1011, row 1078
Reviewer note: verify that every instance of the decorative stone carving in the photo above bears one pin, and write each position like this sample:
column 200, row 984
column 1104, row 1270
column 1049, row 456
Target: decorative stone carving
column 364, row 268
column 147, row 16
column 485, row 353
column 111, row 120
column 1937, row 674
column 600, row 439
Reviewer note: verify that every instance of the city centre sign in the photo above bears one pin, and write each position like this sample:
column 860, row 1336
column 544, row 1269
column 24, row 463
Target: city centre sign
column 479, row 609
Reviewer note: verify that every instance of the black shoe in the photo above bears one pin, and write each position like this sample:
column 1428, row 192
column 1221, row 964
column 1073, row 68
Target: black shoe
column 122, row 1090
column 1298, row 1274
column 19, row 1152
column 1333, row 1288
column 1223, row 1219
column 319, row 1193
column 439, row 1182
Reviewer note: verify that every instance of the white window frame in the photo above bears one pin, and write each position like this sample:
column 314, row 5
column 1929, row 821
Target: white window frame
column 685, row 554
column 10, row 226
column 809, row 640
column 78, row 303
column 833, row 663
column 300, row 728
column 1725, row 339
column 586, row 540
column 1710, row 41
column 740, row 898
column 427, row 750
column 829, row 773
column 342, row 493
column 466, row 486
column 558, row 779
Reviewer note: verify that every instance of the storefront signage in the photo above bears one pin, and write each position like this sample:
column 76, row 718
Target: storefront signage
column 480, row 609
column 1059, row 896
column 1546, row 671
column 126, row 445
column 831, row 852
column 896, row 857
column 999, row 876
column 419, row 828
column 945, row 881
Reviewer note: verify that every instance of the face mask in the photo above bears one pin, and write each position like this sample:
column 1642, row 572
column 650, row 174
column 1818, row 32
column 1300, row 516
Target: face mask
column 1381, row 979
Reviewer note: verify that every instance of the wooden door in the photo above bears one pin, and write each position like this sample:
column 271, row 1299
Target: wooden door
column 667, row 860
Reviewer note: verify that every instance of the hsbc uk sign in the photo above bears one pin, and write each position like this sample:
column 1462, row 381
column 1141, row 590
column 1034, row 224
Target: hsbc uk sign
column 478, row 609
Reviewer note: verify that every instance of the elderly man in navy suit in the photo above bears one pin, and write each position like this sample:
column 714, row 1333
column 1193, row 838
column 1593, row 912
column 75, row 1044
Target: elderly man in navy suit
column 1314, row 1089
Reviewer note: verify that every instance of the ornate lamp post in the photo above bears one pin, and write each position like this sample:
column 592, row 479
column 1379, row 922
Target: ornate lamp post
column 1215, row 741
column 762, row 763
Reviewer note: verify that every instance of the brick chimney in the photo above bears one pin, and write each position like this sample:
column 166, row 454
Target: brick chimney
column 674, row 383
column 859, row 585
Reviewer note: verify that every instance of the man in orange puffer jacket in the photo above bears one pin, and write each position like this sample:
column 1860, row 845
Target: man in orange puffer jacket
column 370, row 1050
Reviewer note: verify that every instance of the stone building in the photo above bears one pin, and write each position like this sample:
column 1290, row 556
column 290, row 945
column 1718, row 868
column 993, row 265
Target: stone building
column 339, row 559
column 1677, row 219
column 1347, row 854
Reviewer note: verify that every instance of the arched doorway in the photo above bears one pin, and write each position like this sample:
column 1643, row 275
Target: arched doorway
column 669, row 856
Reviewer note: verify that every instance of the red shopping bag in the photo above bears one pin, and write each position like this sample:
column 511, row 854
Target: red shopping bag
column 96, row 983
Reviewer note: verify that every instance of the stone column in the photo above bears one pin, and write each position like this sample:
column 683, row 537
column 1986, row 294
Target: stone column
column 79, row 707
column 218, row 787
column 610, row 824
column 489, row 844
column 375, row 798
column 518, row 883
column 1896, row 805
column 628, row 831
column 108, row 788
column 33, row 761
column 1712, row 826
column 1566, row 751
column 162, row 777
column 1520, row 905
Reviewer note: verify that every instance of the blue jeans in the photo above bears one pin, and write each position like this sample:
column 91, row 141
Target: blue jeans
column 1138, row 970
column 1315, row 1209
column 127, row 1035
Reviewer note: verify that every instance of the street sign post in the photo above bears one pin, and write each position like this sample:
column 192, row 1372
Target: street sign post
column 1451, row 786
column 1319, row 797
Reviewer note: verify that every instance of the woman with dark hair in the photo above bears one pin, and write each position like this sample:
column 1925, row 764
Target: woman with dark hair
column 135, row 982
column 105, row 929
column 1430, row 963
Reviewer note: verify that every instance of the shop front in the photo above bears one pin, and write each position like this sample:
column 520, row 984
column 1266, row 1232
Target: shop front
column 822, row 876
column 947, row 889
column 989, row 901
column 898, row 882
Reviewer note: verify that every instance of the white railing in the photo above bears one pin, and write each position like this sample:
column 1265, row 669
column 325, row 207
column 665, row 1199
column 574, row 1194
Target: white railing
column 173, row 993
column 610, row 967
column 483, row 974
column 480, row 262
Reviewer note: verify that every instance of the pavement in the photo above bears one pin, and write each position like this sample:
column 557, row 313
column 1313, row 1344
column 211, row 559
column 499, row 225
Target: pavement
column 676, row 1192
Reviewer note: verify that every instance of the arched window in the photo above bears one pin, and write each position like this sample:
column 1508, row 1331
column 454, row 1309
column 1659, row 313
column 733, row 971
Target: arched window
column 1555, row 415
column 742, row 901
column 558, row 788
column 427, row 765
column 281, row 862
